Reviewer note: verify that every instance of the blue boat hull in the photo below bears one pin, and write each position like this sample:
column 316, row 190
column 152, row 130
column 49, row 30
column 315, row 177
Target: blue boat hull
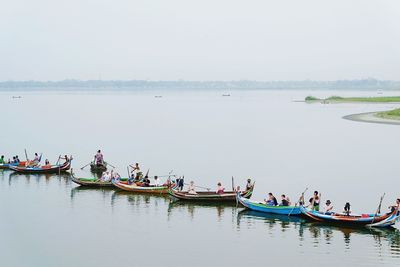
column 257, row 206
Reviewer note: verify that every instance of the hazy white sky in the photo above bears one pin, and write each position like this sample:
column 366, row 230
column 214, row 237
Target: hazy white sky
column 199, row 40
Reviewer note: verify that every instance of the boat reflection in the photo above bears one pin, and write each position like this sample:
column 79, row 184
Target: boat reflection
column 192, row 207
column 86, row 190
column 317, row 233
column 37, row 178
column 137, row 199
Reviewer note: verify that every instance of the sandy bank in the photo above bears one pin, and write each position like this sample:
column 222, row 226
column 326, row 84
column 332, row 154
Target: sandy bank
column 371, row 117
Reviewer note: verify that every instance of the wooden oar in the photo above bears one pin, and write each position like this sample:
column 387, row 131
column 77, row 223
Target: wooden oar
column 233, row 184
column 378, row 210
column 301, row 196
column 26, row 155
column 208, row 189
column 110, row 165
column 85, row 165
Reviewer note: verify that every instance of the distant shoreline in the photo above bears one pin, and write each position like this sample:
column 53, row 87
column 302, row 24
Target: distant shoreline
column 371, row 117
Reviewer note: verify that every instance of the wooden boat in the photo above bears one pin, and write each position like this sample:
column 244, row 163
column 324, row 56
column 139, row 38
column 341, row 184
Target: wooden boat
column 43, row 169
column 262, row 207
column 7, row 165
column 141, row 189
column 209, row 195
column 98, row 167
column 362, row 220
column 95, row 182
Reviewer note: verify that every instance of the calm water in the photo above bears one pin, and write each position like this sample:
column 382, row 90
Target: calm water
column 284, row 145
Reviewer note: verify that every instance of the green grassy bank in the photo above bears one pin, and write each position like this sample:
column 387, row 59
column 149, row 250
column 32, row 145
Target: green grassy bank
column 391, row 114
column 339, row 99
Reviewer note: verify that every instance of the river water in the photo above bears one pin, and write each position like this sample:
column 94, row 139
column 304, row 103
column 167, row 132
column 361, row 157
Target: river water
column 282, row 144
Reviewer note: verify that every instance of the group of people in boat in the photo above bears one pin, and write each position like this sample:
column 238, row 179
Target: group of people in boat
column 15, row 159
column 107, row 176
column 219, row 190
column 272, row 201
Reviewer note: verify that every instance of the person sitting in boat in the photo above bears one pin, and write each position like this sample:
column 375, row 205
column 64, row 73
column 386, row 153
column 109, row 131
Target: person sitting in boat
column 46, row 162
column 157, row 181
column 316, row 201
column 13, row 160
column 105, row 177
column 284, row 201
column 116, row 176
column 328, row 208
column 271, row 201
column 192, row 188
column 98, row 158
column 146, row 181
column 2, row 161
column 220, row 188
column 346, row 209
column 394, row 207
column 249, row 184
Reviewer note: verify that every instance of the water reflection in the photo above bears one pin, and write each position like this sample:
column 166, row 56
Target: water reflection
column 37, row 178
column 318, row 234
column 192, row 207
column 137, row 199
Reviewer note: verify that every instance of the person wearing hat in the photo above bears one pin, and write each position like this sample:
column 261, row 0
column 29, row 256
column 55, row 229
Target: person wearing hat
column 328, row 207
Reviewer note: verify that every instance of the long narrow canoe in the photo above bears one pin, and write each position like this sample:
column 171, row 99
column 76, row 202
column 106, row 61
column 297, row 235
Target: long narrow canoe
column 7, row 165
column 95, row 181
column 262, row 207
column 209, row 195
column 141, row 189
column 363, row 220
column 43, row 169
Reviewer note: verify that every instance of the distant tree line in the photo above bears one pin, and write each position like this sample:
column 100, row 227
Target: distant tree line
column 371, row 84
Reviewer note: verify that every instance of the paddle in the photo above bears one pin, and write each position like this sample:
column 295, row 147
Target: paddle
column 26, row 155
column 233, row 184
column 85, row 166
column 301, row 197
column 110, row 165
column 208, row 189
column 378, row 210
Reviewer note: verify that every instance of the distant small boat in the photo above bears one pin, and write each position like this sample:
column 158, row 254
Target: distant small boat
column 16, row 96
column 158, row 96
column 226, row 95
column 379, row 92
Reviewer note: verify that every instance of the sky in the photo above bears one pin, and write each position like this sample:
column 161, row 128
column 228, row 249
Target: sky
column 199, row 40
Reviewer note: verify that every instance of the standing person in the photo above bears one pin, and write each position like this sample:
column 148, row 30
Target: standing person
column 180, row 183
column 98, row 158
column 316, row 201
column 220, row 188
column 2, row 161
column 66, row 158
column 136, row 171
